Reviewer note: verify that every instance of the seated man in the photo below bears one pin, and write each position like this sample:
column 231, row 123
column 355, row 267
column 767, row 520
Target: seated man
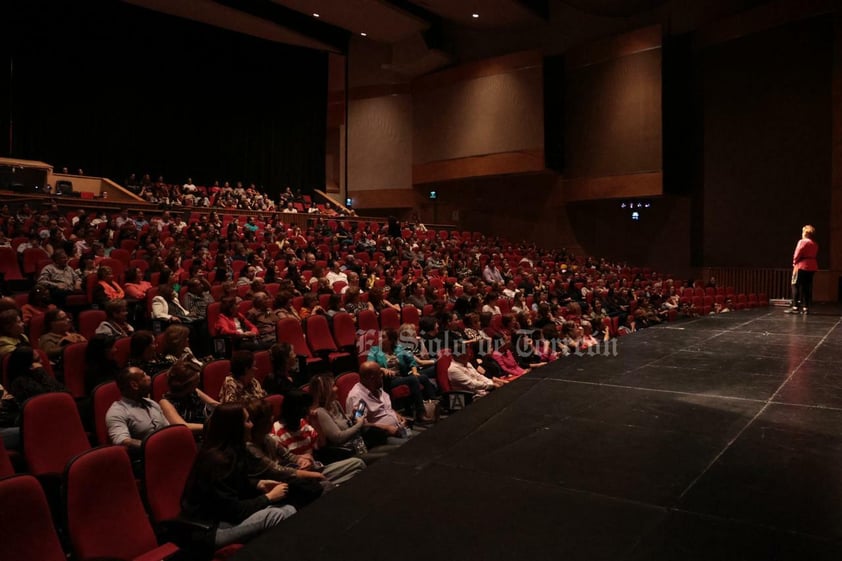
column 379, row 413
column 463, row 375
column 135, row 416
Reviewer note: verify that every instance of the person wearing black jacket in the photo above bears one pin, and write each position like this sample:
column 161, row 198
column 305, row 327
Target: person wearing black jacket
column 219, row 490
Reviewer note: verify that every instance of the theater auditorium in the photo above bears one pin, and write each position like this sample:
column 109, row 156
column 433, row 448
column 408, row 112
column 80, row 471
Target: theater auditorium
column 421, row 279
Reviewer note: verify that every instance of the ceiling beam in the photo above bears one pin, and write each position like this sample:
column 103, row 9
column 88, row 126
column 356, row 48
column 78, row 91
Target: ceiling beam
column 331, row 35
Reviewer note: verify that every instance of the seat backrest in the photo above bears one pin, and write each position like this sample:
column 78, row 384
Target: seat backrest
column 409, row 314
column 104, row 395
column 74, row 368
column 367, row 321
column 289, row 331
column 318, row 334
column 344, row 330
column 212, row 315
column 442, row 364
column 213, row 377
column 26, row 525
column 51, row 432
column 344, row 383
column 160, row 385
column 168, row 456
column 6, row 467
column 277, row 402
column 389, row 318
column 262, row 365
column 105, row 515
column 89, row 320
column 122, row 349
column 36, row 328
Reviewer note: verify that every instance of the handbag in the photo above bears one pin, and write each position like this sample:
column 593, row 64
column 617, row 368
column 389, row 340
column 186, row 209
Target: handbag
column 431, row 409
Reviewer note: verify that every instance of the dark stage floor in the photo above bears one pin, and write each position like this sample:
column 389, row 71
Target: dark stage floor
column 718, row 438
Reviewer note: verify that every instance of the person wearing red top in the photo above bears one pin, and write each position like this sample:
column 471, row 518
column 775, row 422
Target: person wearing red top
column 231, row 323
column 804, row 266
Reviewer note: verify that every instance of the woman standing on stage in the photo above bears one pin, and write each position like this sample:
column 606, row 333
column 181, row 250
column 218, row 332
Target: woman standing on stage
column 804, row 266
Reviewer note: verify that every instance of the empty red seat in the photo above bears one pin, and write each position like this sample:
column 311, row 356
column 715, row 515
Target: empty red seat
column 213, row 377
column 105, row 514
column 52, row 433
column 26, row 524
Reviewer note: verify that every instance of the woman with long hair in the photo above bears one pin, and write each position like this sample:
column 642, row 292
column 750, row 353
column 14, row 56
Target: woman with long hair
column 219, row 490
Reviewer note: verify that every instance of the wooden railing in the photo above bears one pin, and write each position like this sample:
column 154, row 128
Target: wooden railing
column 775, row 283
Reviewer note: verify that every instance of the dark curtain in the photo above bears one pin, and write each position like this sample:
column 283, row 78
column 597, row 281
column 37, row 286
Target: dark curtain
column 114, row 89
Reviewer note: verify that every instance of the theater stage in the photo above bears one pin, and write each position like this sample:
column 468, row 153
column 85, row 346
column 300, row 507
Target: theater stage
column 717, row 438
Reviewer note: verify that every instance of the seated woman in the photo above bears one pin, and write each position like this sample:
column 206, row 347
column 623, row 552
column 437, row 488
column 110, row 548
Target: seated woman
column 334, row 427
column 401, row 368
column 11, row 331
column 175, row 346
column 353, row 304
column 38, row 303
column 27, row 377
column 143, row 353
column 283, row 305
column 274, row 461
column 219, row 490
column 135, row 287
column 241, row 385
column 57, row 335
column 116, row 323
column 184, row 403
column 285, row 369
column 167, row 308
column 106, row 288
column 506, row 360
column 231, row 323
column 300, row 438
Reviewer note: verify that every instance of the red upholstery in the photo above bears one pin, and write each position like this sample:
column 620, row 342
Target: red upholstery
column 160, row 385
column 36, row 328
column 367, row 321
column 122, row 256
column 344, row 331
column 442, row 364
column 26, row 525
column 389, row 319
column 168, row 456
column 31, row 256
column 409, row 314
column 289, row 331
column 344, row 383
column 105, row 515
column 118, row 267
column 122, row 349
column 104, row 395
column 74, row 368
column 262, row 365
column 6, row 467
column 52, row 432
column 9, row 264
column 321, row 342
column 277, row 403
column 213, row 377
column 89, row 320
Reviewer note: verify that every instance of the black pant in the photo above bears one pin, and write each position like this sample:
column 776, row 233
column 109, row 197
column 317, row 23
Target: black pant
column 802, row 290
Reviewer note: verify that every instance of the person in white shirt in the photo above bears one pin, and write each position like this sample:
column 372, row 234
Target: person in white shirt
column 189, row 187
column 463, row 375
column 336, row 274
